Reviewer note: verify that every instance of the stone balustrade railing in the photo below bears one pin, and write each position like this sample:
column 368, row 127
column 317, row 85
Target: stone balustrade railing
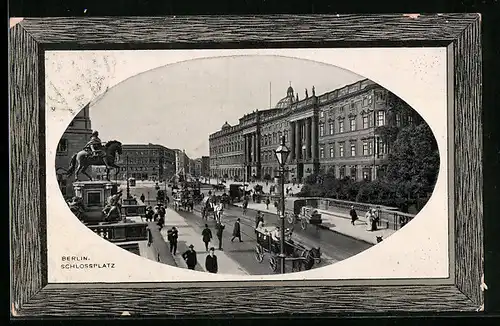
column 121, row 232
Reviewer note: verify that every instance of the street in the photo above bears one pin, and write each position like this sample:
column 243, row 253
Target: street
column 334, row 246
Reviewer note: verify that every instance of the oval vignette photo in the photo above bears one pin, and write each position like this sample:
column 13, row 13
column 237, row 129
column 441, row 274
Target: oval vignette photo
column 242, row 165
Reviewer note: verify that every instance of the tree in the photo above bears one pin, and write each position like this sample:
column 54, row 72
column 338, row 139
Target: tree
column 413, row 163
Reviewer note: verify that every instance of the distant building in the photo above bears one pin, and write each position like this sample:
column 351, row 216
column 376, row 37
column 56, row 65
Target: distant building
column 181, row 162
column 336, row 131
column 197, row 167
column 145, row 162
column 72, row 141
column 205, row 166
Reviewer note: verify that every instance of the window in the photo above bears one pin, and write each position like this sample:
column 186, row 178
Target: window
column 381, row 147
column 367, row 174
column 322, row 114
column 332, row 151
column 380, row 118
column 332, row 128
column 365, row 122
column 353, row 172
column 410, row 119
column 352, row 124
column 365, row 148
column 62, row 147
column 398, row 120
column 341, row 126
column 353, row 149
column 342, row 172
column 341, row 149
column 322, row 152
column 321, row 130
column 286, row 135
column 365, row 101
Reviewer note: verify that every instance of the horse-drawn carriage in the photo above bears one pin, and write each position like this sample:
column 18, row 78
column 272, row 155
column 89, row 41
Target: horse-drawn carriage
column 299, row 254
column 219, row 187
column 297, row 210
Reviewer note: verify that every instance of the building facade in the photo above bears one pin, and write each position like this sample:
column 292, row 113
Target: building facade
column 182, row 165
column 145, row 162
column 72, row 141
column 336, row 131
column 205, row 166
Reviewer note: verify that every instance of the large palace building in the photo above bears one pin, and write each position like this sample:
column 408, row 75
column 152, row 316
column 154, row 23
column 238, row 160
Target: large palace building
column 72, row 141
column 146, row 162
column 335, row 131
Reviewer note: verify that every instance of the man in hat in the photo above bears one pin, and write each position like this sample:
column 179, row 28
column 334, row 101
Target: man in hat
column 190, row 257
column 211, row 262
column 95, row 144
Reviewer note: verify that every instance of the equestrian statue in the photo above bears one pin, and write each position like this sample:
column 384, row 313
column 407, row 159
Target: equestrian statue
column 94, row 153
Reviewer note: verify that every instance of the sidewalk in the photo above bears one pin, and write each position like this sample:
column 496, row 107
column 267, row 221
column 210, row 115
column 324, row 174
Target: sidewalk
column 188, row 235
column 295, row 188
column 336, row 222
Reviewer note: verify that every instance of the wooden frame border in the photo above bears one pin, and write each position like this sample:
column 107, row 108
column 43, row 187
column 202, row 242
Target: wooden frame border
column 32, row 296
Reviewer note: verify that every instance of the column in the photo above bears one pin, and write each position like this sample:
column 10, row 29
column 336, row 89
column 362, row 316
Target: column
column 254, row 147
column 314, row 136
column 257, row 147
column 291, row 134
column 307, row 121
column 298, row 148
column 248, row 149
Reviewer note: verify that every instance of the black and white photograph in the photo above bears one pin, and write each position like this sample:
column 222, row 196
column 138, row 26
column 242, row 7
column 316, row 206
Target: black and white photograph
column 335, row 177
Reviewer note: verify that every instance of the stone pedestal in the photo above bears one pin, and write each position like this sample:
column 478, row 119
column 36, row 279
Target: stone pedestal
column 94, row 195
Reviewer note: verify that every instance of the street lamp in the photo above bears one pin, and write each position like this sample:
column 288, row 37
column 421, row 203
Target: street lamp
column 281, row 155
column 128, row 185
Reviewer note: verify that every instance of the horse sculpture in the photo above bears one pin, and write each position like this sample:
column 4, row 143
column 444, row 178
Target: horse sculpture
column 83, row 159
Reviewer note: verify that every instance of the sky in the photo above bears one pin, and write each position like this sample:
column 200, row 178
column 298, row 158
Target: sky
column 179, row 105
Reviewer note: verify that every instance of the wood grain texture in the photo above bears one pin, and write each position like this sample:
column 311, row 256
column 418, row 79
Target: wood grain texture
column 469, row 165
column 30, row 38
column 232, row 301
column 27, row 240
column 235, row 29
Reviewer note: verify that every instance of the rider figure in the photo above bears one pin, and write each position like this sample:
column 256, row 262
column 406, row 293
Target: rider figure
column 95, row 144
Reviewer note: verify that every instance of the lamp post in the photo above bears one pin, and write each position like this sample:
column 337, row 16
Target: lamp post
column 281, row 155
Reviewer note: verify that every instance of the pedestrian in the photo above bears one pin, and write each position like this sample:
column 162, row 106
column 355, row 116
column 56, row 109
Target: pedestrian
column 189, row 257
column 161, row 222
column 150, row 237
column 211, row 262
column 161, row 211
column 236, row 230
column 172, row 236
column 142, row 198
column 245, row 205
column 267, row 203
column 374, row 221
column 149, row 214
column 206, row 235
column 258, row 218
column 220, row 229
column 354, row 215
